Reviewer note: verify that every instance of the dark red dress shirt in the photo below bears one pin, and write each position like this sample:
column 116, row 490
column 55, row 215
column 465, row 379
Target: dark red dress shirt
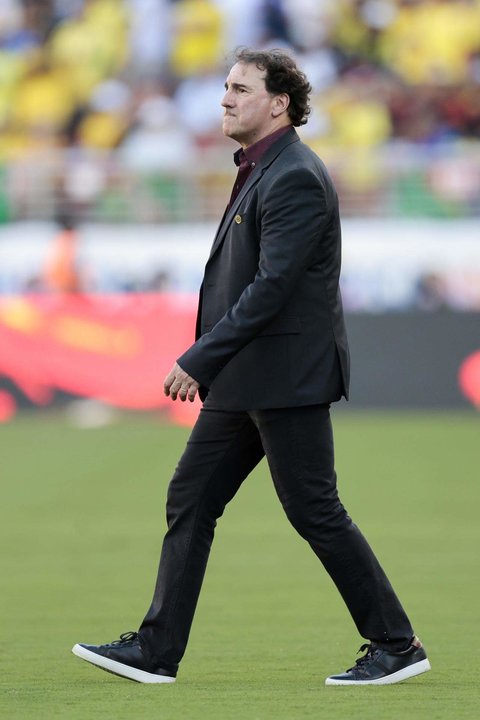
column 247, row 159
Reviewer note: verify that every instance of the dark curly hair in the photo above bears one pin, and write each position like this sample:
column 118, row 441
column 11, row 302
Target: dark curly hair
column 282, row 76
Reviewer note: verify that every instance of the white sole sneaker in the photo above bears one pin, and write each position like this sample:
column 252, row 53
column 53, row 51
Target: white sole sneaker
column 404, row 674
column 120, row 669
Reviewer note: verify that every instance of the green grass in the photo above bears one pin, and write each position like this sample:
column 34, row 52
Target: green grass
column 82, row 517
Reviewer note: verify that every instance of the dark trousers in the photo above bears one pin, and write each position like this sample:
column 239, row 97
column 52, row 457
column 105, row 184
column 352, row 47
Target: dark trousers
column 223, row 449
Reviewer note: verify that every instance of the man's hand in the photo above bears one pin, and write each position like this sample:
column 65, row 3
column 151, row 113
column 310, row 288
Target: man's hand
column 179, row 383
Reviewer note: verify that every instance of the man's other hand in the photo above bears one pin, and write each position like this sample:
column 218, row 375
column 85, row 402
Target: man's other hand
column 178, row 383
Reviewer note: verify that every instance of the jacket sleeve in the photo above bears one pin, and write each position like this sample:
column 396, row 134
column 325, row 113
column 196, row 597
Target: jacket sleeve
column 294, row 215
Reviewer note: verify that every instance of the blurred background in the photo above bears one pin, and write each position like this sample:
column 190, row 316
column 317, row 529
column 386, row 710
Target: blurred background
column 114, row 174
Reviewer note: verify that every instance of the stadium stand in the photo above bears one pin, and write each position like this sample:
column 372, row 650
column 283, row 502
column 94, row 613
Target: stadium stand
column 113, row 105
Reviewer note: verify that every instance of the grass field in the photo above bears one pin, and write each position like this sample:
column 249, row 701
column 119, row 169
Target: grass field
column 82, row 516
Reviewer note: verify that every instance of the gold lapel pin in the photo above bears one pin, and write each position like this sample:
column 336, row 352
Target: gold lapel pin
column 238, row 219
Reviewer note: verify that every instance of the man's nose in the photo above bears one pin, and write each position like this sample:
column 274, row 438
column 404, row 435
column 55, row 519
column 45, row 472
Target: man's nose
column 227, row 100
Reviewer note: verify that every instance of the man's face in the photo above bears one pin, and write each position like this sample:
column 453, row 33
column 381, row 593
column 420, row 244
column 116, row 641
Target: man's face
column 247, row 105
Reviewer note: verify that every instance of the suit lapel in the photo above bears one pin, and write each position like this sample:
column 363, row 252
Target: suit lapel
column 252, row 180
column 265, row 162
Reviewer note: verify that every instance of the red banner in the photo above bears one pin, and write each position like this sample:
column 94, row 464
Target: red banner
column 469, row 378
column 114, row 348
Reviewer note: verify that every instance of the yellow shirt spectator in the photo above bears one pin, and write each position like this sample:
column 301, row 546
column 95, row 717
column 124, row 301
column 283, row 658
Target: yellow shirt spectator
column 12, row 66
column 43, row 98
column 430, row 42
column 198, row 37
column 92, row 46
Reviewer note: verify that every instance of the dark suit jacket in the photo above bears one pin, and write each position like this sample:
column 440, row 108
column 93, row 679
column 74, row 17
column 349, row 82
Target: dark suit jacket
column 270, row 327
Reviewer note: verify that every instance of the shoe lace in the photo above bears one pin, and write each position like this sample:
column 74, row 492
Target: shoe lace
column 371, row 652
column 125, row 638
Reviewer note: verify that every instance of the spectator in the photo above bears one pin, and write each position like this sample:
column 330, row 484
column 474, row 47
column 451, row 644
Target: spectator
column 72, row 75
column 61, row 272
column 198, row 37
column 431, row 41
column 92, row 45
column 157, row 142
column 44, row 99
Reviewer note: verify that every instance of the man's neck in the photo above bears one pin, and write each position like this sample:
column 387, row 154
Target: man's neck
column 273, row 130
column 256, row 150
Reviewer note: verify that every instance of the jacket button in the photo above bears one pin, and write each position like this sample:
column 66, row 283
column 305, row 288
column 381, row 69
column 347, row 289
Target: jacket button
column 238, row 219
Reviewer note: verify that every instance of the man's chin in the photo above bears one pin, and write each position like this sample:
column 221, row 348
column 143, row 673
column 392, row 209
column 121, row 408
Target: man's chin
column 228, row 130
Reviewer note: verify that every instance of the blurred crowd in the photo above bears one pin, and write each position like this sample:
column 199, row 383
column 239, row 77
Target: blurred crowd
column 112, row 106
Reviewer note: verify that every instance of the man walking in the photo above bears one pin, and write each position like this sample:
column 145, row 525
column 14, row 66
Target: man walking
column 270, row 356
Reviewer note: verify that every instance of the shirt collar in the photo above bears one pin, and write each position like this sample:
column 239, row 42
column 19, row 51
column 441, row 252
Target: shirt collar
column 253, row 153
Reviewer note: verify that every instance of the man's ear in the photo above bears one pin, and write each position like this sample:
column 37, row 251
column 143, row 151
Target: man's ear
column 280, row 104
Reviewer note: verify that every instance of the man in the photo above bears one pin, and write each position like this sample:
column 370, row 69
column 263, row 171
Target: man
column 270, row 356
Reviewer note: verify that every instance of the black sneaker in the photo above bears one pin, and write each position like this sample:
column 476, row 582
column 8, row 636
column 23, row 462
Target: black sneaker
column 124, row 657
column 384, row 667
